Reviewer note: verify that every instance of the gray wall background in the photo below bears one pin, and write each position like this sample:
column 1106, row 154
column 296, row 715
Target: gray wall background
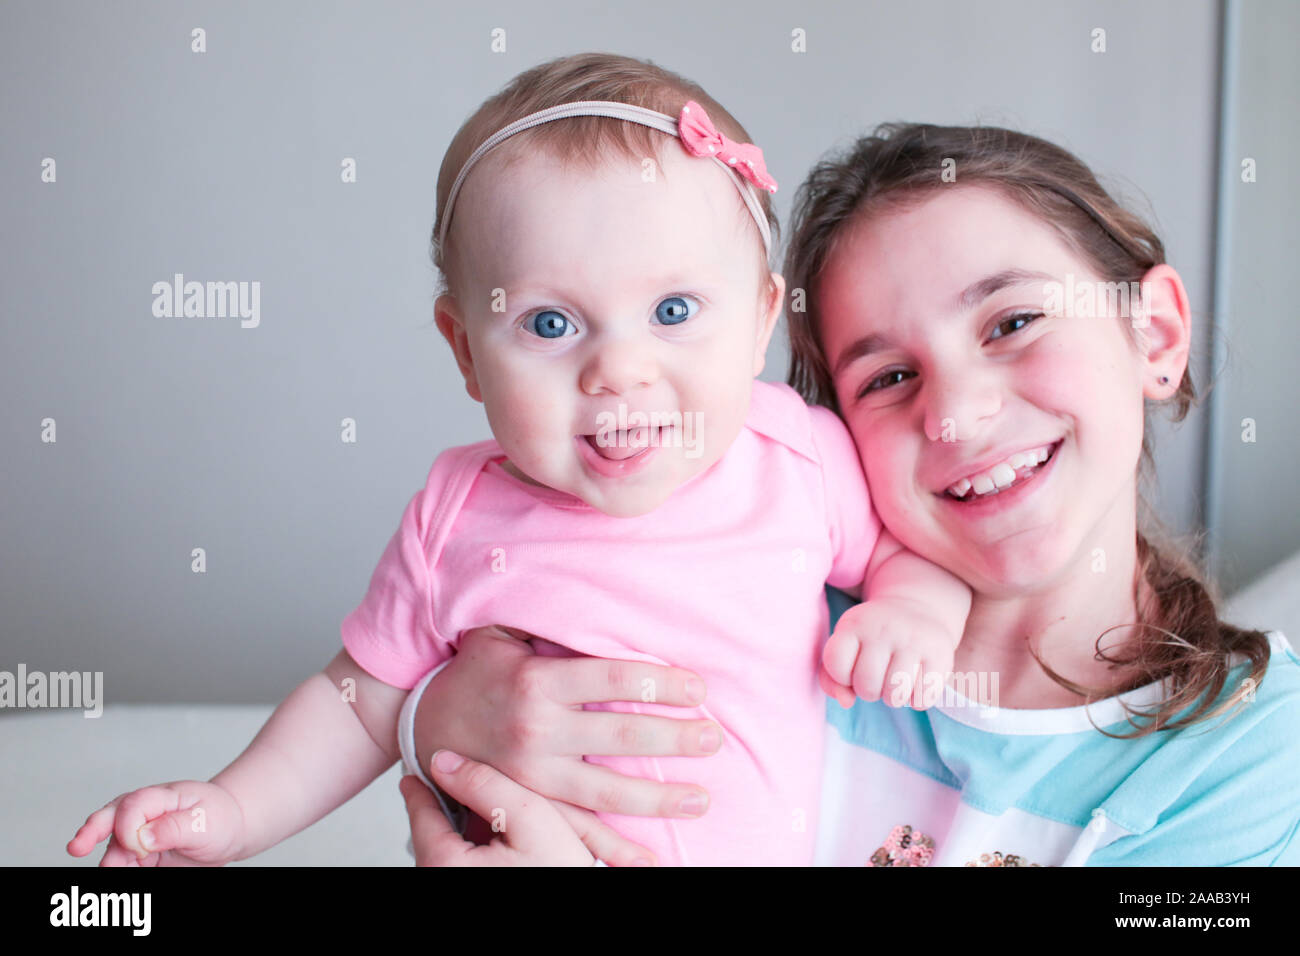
column 1252, row 515
column 183, row 433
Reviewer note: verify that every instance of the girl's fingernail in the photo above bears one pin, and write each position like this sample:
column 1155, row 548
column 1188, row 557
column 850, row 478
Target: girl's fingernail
column 147, row 838
column 710, row 739
column 642, row 861
column 693, row 805
column 694, row 690
column 447, row 761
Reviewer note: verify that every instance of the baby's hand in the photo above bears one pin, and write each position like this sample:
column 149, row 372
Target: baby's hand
column 190, row 823
column 885, row 648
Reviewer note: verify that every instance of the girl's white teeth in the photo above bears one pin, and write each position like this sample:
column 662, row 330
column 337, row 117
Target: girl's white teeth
column 1002, row 475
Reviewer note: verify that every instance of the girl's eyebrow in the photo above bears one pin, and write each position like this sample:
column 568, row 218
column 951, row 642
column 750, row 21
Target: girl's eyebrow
column 971, row 296
column 860, row 348
column 981, row 289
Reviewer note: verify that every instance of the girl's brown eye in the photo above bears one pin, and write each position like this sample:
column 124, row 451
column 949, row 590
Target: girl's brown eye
column 885, row 380
column 1019, row 321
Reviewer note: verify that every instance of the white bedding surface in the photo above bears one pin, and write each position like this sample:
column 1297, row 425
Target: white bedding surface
column 60, row 766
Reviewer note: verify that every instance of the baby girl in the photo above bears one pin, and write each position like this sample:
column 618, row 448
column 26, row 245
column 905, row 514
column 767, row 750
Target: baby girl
column 604, row 229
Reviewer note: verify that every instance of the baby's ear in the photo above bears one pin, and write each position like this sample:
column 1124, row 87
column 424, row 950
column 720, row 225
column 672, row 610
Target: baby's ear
column 770, row 309
column 451, row 323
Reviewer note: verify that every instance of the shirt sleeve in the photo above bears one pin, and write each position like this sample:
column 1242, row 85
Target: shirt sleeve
column 391, row 634
column 1242, row 810
column 852, row 521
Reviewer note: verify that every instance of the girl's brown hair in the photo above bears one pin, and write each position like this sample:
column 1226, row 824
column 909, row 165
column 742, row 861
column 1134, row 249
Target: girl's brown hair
column 585, row 140
column 1180, row 635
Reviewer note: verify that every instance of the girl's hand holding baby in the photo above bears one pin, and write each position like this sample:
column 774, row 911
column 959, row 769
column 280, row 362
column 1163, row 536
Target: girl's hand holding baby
column 885, row 649
column 183, row 823
column 531, row 829
column 499, row 702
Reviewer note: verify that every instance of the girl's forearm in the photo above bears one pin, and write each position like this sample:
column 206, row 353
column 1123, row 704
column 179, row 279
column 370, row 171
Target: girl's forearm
column 313, row 755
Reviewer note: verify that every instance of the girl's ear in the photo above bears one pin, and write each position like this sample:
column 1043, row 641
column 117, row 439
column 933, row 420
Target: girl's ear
column 767, row 320
column 451, row 323
column 1163, row 326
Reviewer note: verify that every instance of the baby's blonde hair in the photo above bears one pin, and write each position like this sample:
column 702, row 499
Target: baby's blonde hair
column 587, row 140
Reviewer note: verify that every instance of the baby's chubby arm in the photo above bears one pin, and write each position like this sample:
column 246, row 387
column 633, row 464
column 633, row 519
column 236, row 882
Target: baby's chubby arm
column 333, row 735
column 909, row 626
column 330, row 739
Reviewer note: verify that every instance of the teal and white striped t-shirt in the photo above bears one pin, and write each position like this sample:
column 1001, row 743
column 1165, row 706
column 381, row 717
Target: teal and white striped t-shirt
column 960, row 784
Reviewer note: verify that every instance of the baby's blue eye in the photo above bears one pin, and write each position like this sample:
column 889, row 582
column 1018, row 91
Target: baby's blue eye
column 673, row 310
column 548, row 324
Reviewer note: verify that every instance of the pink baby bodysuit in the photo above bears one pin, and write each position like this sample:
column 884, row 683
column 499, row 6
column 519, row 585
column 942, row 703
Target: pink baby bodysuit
column 725, row 579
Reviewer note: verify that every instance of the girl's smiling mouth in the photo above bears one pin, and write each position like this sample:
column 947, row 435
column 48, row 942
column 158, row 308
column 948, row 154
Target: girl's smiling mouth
column 1004, row 479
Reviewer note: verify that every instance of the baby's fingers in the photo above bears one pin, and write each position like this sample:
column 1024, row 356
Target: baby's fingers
column 931, row 693
column 137, row 809
column 842, row 693
column 183, row 830
column 902, row 679
column 97, row 826
column 871, row 673
column 840, row 655
column 115, row 855
column 920, row 691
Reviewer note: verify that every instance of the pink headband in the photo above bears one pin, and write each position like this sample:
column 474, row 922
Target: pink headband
column 698, row 135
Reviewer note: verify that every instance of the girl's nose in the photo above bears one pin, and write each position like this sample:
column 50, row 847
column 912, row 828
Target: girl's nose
column 619, row 366
column 959, row 405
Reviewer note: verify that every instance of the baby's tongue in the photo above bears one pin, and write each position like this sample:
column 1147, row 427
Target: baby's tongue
column 620, row 445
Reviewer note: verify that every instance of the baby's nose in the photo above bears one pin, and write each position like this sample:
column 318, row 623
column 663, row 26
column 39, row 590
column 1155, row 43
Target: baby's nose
column 619, row 367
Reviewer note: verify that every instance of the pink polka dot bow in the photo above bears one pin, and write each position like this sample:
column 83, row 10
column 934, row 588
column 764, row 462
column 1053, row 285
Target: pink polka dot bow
column 701, row 138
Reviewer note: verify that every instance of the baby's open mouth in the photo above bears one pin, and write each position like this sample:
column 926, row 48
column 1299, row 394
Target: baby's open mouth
column 625, row 443
column 1003, row 476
